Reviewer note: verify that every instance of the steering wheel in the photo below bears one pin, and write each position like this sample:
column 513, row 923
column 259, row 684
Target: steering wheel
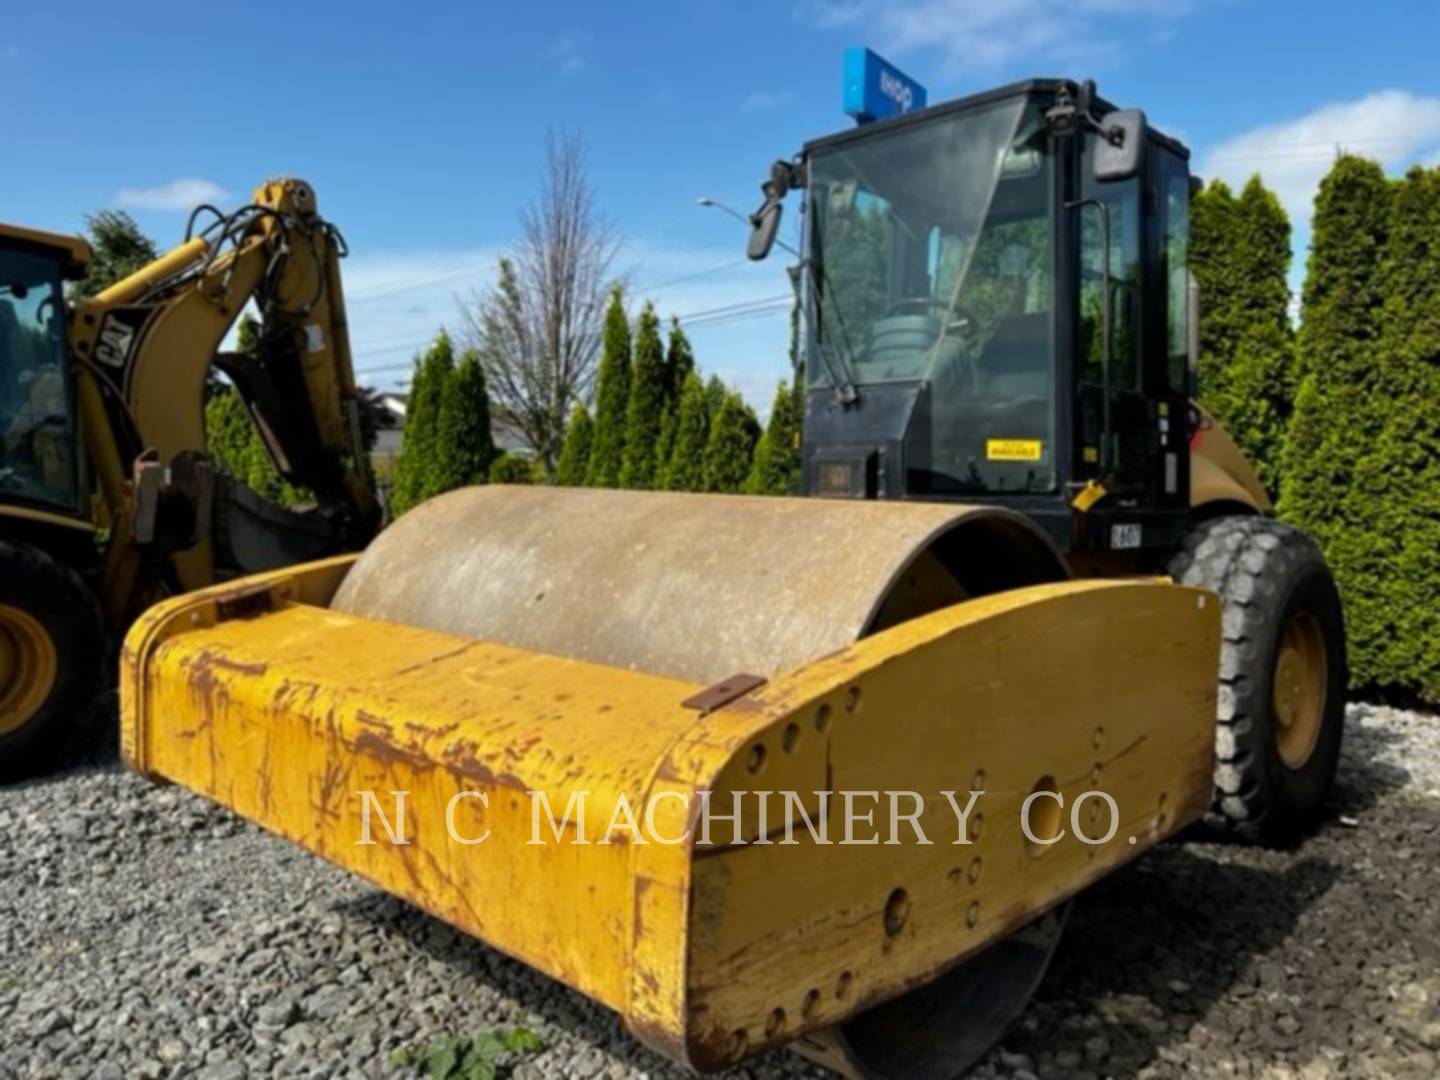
column 46, row 312
column 962, row 322
column 961, row 318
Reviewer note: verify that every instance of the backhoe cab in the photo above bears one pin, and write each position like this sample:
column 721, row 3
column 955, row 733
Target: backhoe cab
column 998, row 310
column 38, row 463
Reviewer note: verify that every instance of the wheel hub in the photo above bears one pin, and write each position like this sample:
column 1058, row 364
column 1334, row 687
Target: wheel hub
column 28, row 667
column 1298, row 688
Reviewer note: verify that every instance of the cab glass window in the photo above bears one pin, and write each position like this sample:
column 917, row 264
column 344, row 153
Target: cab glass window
column 1120, row 217
column 37, row 422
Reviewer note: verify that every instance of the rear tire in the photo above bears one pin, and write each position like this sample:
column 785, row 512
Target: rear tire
column 52, row 657
column 1281, row 706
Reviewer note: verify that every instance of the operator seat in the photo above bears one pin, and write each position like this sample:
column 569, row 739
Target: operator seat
column 1015, row 362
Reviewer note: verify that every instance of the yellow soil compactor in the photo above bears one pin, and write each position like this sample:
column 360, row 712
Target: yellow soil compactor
column 818, row 771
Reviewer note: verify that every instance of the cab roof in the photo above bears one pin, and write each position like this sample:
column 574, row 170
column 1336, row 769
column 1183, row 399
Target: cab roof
column 75, row 250
column 1038, row 86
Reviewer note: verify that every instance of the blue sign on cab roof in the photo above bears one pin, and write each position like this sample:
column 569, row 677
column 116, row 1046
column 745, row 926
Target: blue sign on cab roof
column 876, row 88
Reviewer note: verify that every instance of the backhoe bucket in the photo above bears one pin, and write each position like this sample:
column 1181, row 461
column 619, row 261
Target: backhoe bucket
column 704, row 758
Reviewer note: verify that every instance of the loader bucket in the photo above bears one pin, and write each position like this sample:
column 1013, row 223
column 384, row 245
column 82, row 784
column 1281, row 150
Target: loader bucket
column 653, row 745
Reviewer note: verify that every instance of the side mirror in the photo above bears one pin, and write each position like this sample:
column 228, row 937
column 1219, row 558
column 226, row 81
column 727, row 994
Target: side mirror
column 764, row 224
column 1119, row 145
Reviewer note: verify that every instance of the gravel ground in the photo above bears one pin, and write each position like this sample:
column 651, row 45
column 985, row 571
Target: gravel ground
column 146, row 933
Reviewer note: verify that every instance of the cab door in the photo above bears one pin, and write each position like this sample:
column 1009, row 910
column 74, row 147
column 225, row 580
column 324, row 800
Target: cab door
column 1113, row 423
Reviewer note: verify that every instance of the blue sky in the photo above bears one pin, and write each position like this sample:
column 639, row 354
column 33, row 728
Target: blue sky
column 422, row 125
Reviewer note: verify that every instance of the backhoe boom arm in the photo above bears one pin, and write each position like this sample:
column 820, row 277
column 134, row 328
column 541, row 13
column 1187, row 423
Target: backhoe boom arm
column 145, row 347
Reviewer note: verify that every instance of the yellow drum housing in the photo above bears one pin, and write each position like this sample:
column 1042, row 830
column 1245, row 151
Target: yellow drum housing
column 657, row 653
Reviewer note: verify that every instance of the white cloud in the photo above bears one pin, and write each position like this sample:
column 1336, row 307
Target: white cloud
column 762, row 100
column 981, row 35
column 182, row 194
column 1395, row 127
column 569, row 50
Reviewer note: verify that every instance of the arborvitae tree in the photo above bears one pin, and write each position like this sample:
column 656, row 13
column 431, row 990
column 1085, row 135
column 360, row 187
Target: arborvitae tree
column 513, row 468
column 1240, row 253
column 1406, row 514
column 1213, row 228
column 228, row 431
column 416, row 473
column 1331, row 470
column 575, row 454
column 119, row 249
column 233, row 439
column 679, row 363
column 777, row 454
column 646, row 404
column 1256, row 390
column 685, row 469
column 465, row 446
column 731, row 446
column 612, row 398
column 716, row 394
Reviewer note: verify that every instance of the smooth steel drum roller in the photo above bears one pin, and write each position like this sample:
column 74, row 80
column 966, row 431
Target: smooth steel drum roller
column 701, row 587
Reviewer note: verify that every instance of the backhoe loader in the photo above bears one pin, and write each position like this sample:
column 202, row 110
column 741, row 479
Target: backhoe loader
column 821, row 772
column 108, row 499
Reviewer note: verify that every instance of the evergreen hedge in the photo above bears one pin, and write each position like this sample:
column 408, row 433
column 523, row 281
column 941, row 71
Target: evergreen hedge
column 575, row 453
column 730, row 447
column 646, row 404
column 1406, row 507
column 685, row 470
column 464, row 444
column 612, row 398
column 417, row 471
column 1240, row 252
column 776, row 467
column 1333, row 476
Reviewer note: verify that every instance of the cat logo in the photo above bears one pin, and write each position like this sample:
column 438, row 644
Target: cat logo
column 118, row 342
column 115, row 342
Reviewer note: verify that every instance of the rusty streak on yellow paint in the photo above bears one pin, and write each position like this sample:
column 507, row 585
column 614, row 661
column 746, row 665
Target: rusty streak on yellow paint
column 286, row 710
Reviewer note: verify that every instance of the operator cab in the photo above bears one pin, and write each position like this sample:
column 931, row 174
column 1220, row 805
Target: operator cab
column 38, row 442
column 959, row 343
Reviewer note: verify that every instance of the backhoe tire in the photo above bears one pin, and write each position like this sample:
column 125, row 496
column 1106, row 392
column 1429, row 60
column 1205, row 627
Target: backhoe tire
column 1281, row 704
column 52, row 657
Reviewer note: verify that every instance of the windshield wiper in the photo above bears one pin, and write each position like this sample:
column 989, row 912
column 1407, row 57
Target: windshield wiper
column 837, row 366
column 786, row 176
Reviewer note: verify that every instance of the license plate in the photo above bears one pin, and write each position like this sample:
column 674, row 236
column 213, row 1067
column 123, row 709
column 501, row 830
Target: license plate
column 1124, row 536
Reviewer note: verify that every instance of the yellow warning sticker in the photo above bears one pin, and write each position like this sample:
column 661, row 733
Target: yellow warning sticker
column 1013, row 449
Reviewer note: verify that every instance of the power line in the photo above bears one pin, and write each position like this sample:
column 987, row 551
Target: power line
column 692, row 316
column 402, row 285
column 692, row 276
column 767, row 313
